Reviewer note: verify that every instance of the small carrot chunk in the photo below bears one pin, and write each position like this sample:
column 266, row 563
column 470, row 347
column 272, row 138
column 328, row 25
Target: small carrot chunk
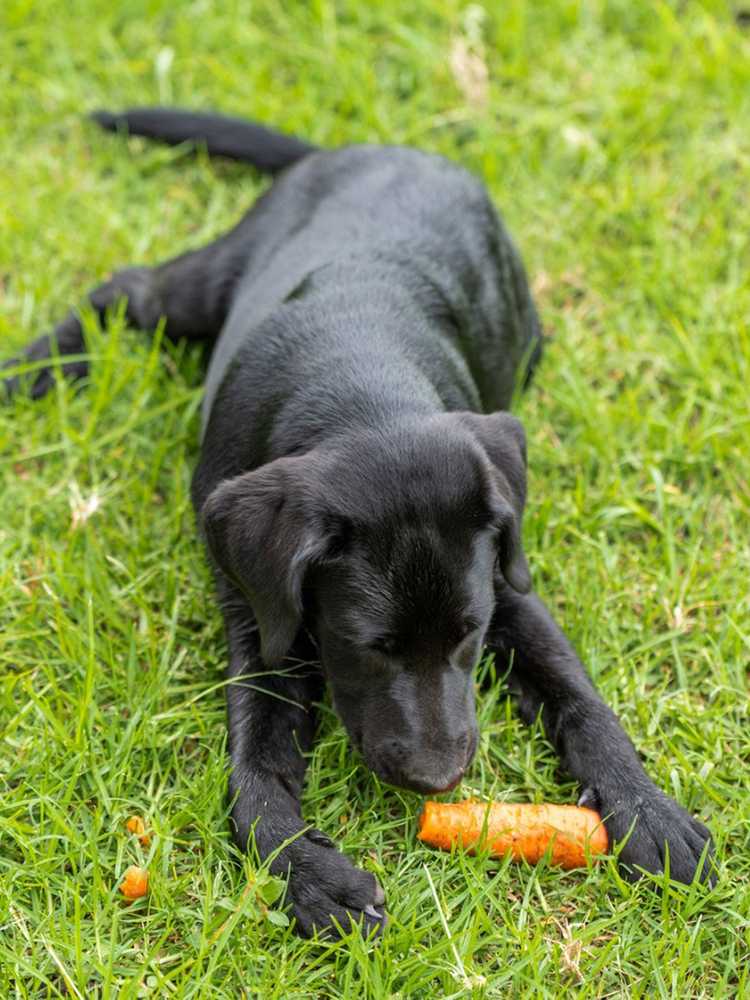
column 134, row 883
column 136, row 825
column 526, row 831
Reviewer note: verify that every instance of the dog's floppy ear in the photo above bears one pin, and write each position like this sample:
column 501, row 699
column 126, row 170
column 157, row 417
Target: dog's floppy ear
column 503, row 439
column 264, row 531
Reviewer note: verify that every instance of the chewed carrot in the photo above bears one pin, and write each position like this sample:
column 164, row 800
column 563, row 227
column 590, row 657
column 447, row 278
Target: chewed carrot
column 525, row 831
column 134, row 883
column 136, row 826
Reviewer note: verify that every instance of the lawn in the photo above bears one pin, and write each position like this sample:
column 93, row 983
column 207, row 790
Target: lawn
column 614, row 137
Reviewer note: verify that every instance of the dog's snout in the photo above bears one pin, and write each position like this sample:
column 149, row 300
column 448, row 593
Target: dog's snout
column 431, row 784
column 427, row 771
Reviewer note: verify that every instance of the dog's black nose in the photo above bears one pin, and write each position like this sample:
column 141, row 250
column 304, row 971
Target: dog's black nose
column 423, row 770
column 428, row 784
column 425, row 783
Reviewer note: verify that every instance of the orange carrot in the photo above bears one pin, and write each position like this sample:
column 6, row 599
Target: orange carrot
column 525, row 831
column 136, row 825
column 135, row 883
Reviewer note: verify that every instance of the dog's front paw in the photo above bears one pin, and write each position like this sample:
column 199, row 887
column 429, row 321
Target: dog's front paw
column 654, row 828
column 328, row 893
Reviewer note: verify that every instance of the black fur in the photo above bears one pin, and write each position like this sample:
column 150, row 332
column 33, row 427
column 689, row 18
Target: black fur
column 219, row 134
column 361, row 490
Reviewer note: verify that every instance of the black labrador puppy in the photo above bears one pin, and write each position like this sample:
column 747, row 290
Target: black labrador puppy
column 361, row 488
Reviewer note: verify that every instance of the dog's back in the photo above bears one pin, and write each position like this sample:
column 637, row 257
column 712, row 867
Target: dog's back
column 420, row 240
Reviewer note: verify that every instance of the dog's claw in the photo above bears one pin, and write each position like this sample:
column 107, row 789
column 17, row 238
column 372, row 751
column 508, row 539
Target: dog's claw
column 589, row 798
column 381, row 917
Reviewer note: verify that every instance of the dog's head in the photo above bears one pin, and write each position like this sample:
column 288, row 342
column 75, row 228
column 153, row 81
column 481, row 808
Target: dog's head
column 389, row 548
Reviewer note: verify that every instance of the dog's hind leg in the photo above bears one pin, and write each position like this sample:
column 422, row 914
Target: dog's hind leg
column 190, row 293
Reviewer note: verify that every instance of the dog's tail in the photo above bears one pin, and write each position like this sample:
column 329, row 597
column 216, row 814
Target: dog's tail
column 221, row 135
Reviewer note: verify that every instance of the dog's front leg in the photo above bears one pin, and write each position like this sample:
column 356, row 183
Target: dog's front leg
column 271, row 726
column 546, row 674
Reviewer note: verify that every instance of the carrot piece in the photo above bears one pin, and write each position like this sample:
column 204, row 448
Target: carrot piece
column 136, row 825
column 134, row 883
column 525, row 831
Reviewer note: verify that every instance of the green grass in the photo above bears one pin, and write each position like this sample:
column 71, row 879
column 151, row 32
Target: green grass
column 615, row 141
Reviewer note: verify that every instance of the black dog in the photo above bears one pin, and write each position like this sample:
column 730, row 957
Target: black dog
column 361, row 490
